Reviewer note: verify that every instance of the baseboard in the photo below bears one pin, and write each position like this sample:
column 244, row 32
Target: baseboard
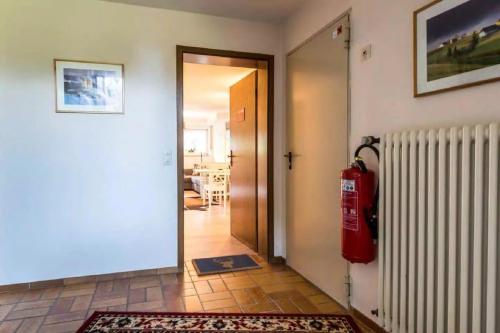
column 365, row 320
column 85, row 279
column 277, row 260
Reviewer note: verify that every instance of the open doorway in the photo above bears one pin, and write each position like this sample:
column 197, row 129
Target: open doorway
column 207, row 166
column 224, row 153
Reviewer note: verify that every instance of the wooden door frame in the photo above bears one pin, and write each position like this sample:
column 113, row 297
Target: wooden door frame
column 269, row 59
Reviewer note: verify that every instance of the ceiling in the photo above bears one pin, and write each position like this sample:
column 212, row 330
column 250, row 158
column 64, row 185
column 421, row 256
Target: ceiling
column 272, row 11
column 206, row 89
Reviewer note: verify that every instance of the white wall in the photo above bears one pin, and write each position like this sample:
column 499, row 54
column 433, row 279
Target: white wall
column 381, row 93
column 89, row 194
column 219, row 138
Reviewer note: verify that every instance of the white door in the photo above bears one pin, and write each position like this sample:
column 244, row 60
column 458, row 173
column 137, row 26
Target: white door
column 317, row 123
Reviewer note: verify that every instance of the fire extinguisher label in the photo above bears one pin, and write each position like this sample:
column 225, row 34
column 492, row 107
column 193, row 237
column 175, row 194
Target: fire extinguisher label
column 349, row 205
column 348, row 185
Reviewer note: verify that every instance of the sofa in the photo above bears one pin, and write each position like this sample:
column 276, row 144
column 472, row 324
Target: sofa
column 198, row 182
column 188, row 179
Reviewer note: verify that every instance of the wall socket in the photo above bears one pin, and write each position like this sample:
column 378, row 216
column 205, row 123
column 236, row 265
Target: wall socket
column 366, row 52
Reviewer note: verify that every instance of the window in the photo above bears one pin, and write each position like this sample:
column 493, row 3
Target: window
column 196, row 141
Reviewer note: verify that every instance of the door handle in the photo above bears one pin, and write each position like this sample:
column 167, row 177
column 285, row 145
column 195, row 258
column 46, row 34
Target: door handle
column 231, row 156
column 289, row 156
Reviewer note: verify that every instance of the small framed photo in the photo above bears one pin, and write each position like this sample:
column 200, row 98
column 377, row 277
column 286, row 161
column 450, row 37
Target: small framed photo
column 456, row 45
column 88, row 87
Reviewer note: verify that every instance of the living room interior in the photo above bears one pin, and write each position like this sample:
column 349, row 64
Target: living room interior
column 359, row 194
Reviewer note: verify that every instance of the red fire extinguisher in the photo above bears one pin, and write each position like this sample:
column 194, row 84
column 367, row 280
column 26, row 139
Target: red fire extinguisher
column 359, row 208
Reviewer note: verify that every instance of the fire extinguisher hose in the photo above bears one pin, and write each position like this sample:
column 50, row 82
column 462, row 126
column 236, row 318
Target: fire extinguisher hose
column 371, row 214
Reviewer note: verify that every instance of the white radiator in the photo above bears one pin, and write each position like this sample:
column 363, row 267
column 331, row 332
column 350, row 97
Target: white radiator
column 438, row 231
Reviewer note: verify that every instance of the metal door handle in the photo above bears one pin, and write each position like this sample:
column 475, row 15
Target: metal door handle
column 290, row 158
column 231, row 156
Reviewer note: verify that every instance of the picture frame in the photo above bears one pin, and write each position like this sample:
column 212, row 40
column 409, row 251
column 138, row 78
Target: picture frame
column 456, row 45
column 89, row 87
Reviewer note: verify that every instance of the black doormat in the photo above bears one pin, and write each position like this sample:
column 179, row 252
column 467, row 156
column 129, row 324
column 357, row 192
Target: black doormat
column 224, row 264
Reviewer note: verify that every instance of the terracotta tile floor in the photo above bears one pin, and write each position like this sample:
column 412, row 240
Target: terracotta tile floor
column 274, row 288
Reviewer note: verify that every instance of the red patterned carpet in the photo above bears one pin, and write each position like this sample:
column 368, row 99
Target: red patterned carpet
column 128, row 322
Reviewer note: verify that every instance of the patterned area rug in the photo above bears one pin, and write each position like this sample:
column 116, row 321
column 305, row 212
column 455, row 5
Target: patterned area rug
column 128, row 322
column 191, row 194
column 194, row 204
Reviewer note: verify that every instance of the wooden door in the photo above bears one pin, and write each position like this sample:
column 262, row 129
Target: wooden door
column 317, row 122
column 243, row 127
column 263, row 151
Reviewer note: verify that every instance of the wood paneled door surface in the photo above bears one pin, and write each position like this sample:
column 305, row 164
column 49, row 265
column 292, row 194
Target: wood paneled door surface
column 243, row 128
column 317, row 123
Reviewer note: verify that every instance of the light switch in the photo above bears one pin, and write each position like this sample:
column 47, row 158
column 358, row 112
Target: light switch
column 168, row 157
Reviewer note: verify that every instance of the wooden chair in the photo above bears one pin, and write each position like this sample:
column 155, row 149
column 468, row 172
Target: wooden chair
column 216, row 186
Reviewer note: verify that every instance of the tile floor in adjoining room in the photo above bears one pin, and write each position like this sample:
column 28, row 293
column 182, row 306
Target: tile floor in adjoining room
column 272, row 289
column 208, row 233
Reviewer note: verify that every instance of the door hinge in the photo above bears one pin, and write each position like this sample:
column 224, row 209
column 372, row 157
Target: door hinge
column 347, row 40
column 348, row 284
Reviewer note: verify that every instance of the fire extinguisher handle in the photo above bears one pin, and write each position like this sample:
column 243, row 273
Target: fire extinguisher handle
column 361, row 164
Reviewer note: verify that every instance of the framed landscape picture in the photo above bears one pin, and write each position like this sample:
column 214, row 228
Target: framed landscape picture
column 88, row 87
column 456, row 45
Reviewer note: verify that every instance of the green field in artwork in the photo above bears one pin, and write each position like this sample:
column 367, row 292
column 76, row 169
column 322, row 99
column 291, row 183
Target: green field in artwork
column 463, row 54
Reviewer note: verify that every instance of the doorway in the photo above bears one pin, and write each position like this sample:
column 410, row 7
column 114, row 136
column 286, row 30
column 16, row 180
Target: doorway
column 224, row 153
column 317, row 140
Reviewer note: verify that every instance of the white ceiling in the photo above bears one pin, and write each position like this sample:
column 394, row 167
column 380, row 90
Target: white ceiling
column 258, row 10
column 206, row 89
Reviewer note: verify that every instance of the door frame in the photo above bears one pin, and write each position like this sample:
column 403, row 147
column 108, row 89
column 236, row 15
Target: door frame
column 269, row 59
